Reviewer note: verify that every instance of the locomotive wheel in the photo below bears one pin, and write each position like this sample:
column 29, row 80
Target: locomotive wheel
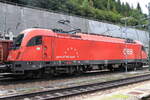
column 32, row 74
column 139, row 66
column 122, row 68
column 38, row 73
column 80, row 70
column 111, row 68
column 29, row 74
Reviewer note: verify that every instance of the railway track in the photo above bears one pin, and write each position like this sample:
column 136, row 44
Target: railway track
column 9, row 81
column 3, row 78
column 6, row 79
column 51, row 94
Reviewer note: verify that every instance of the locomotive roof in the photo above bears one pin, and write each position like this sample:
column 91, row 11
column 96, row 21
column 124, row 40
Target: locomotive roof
column 85, row 36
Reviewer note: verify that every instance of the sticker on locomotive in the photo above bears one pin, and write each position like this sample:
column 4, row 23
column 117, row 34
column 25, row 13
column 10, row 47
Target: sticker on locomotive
column 70, row 53
column 65, row 56
column 127, row 51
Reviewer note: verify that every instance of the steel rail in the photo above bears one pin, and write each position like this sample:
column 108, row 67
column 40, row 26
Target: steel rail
column 8, row 80
column 65, row 92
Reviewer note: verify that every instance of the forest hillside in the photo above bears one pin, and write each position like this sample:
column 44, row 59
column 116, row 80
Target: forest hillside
column 103, row 10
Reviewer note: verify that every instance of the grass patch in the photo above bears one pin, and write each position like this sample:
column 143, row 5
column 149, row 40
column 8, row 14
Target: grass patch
column 116, row 96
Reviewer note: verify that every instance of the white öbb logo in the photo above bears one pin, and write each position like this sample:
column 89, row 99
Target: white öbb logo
column 127, row 51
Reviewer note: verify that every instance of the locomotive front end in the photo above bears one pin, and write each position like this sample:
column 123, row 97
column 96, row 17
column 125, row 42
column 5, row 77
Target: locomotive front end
column 15, row 53
column 16, row 49
column 26, row 54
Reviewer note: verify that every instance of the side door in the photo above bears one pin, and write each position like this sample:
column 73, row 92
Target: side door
column 47, row 48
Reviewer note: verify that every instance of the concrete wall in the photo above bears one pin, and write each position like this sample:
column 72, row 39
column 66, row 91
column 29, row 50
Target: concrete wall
column 15, row 19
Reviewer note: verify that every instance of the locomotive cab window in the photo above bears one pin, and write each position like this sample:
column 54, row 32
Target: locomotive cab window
column 37, row 40
column 17, row 42
column 143, row 48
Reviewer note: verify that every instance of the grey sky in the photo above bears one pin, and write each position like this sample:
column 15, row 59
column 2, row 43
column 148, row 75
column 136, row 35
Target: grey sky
column 143, row 4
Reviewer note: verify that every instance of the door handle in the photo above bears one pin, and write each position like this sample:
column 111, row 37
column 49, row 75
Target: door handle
column 45, row 47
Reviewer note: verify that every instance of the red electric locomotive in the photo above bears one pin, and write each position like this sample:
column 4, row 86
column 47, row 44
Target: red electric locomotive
column 41, row 51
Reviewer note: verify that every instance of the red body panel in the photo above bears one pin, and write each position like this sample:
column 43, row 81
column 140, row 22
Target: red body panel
column 77, row 49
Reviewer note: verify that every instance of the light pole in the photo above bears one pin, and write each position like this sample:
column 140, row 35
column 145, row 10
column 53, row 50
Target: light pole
column 125, row 19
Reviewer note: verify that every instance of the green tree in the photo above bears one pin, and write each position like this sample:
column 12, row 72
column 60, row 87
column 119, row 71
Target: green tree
column 139, row 8
column 118, row 6
column 100, row 4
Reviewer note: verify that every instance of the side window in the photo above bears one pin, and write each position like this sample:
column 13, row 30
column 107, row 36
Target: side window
column 37, row 40
column 143, row 48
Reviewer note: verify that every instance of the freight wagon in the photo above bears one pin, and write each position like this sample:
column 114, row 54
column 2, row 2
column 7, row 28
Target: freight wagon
column 4, row 51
